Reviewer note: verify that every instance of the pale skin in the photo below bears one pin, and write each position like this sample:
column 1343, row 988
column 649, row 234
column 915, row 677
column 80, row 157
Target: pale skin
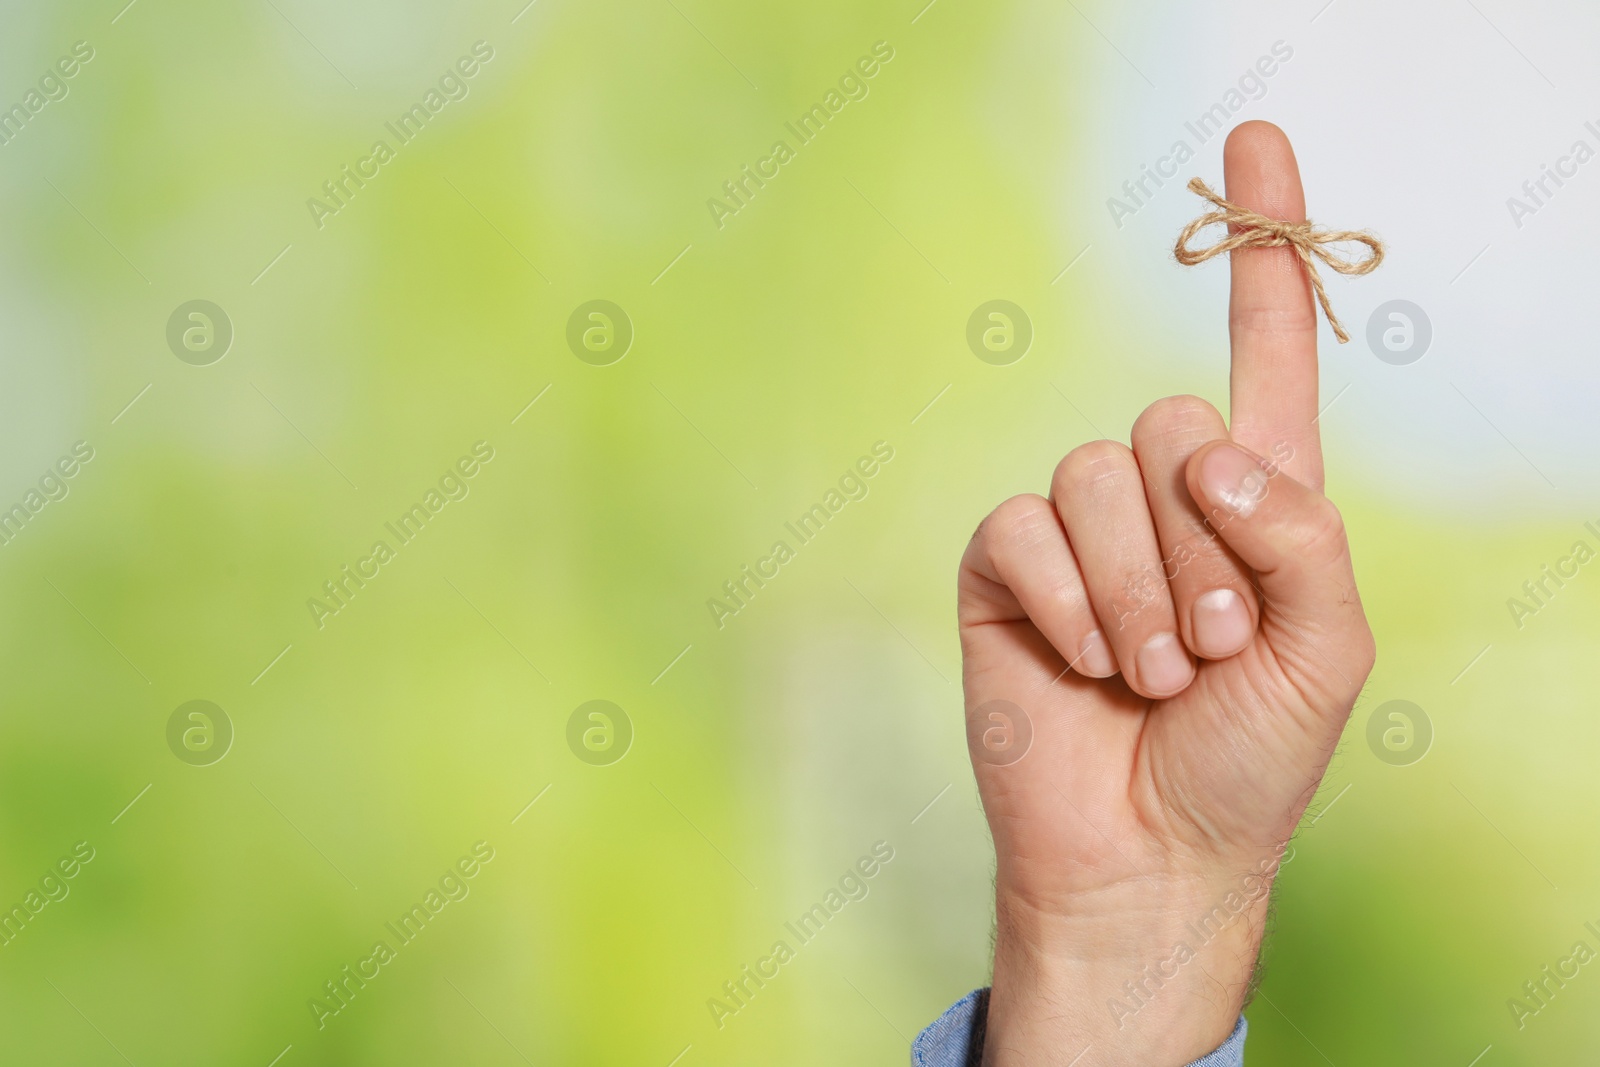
column 1179, row 623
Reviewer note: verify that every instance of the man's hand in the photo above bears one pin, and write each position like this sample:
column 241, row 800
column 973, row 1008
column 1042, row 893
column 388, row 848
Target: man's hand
column 1158, row 662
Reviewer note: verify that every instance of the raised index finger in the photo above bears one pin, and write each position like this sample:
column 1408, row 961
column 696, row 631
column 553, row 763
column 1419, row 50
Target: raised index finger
column 1272, row 323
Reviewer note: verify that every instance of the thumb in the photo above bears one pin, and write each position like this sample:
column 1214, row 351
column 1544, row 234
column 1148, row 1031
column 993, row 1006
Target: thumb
column 1294, row 539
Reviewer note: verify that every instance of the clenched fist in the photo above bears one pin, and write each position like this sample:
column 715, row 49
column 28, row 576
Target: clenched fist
column 1158, row 659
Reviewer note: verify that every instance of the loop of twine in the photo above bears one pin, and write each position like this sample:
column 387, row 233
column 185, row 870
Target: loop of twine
column 1259, row 231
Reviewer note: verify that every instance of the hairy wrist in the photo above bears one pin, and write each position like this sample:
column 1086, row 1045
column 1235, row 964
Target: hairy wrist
column 1148, row 973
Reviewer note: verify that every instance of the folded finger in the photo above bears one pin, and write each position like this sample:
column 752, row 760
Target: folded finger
column 1215, row 602
column 1099, row 493
column 1023, row 547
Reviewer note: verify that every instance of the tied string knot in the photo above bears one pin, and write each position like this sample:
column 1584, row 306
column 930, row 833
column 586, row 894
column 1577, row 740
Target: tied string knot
column 1251, row 230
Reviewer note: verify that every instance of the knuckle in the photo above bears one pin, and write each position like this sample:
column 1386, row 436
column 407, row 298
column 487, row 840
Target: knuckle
column 1320, row 532
column 1021, row 519
column 1174, row 414
column 1274, row 322
column 1092, row 463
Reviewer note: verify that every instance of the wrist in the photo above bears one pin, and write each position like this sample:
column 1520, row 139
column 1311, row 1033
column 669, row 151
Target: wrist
column 1152, row 973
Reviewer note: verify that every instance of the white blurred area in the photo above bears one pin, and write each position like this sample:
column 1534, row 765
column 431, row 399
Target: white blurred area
column 1418, row 121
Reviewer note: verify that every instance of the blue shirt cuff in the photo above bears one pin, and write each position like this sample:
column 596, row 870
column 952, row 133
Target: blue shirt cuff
column 955, row 1039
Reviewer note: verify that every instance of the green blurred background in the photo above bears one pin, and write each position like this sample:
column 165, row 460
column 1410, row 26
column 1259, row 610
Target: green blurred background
column 768, row 354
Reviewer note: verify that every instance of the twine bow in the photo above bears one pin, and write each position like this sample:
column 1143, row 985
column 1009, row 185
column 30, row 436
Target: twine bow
column 1250, row 230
